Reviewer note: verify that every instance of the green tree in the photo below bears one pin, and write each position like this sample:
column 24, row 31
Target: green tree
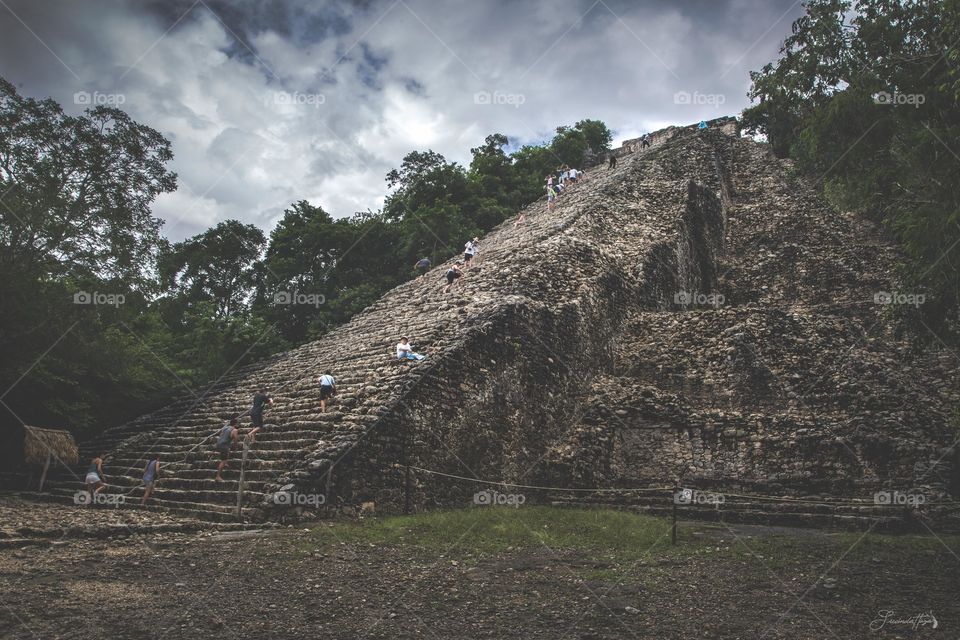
column 217, row 266
column 865, row 98
column 76, row 221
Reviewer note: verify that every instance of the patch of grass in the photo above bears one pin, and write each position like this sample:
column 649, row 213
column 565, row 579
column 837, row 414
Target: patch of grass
column 492, row 530
column 883, row 546
column 601, row 575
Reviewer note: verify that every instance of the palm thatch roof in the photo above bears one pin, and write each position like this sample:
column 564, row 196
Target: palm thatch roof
column 38, row 442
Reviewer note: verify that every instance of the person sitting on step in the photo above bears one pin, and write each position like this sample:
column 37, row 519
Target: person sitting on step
column 328, row 387
column 226, row 440
column 405, row 351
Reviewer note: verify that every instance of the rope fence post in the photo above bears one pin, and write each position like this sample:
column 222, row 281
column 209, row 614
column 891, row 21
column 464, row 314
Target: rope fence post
column 673, row 519
column 407, row 502
column 243, row 468
column 46, row 467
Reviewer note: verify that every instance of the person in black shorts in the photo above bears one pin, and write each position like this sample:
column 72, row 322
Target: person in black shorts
column 256, row 413
column 613, row 162
column 328, row 387
column 469, row 250
column 225, row 441
column 452, row 274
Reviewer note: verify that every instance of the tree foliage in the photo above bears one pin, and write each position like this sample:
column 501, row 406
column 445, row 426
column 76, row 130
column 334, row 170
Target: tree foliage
column 171, row 319
column 865, row 97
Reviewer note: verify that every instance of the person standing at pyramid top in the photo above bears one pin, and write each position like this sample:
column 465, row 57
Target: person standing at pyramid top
column 256, row 413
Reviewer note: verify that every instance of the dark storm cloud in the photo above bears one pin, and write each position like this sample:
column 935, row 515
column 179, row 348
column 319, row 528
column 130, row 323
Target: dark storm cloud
column 267, row 102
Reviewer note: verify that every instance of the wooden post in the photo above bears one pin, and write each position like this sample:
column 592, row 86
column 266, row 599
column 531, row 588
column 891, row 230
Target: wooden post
column 243, row 467
column 407, row 505
column 43, row 476
column 673, row 525
column 327, row 500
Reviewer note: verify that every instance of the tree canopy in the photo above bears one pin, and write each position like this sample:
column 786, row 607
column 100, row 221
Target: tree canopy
column 865, row 96
column 103, row 318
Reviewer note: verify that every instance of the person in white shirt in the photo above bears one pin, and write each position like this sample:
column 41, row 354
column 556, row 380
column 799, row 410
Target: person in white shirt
column 328, row 387
column 469, row 250
column 405, row 351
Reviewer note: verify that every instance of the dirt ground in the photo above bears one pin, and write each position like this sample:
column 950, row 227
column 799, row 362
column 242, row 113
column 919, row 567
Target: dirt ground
column 321, row 581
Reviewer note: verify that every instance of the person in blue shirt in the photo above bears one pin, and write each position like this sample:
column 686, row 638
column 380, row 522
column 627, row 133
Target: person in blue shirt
column 422, row 266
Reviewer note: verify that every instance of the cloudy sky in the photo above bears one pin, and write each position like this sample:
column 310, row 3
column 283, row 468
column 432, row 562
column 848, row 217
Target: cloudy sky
column 271, row 101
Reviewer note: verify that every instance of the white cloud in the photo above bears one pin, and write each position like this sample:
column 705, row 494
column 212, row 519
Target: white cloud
column 358, row 90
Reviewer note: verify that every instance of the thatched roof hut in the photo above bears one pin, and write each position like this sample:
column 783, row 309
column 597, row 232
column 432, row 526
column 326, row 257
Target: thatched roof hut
column 38, row 442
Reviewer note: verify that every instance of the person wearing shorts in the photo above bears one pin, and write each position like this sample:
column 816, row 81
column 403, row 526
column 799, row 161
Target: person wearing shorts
column 150, row 474
column 328, row 387
column 225, row 442
column 94, row 479
column 469, row 250
column 452, row 274
column 256, row 413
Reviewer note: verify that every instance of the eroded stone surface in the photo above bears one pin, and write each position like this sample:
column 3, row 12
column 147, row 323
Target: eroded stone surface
column 565, row 358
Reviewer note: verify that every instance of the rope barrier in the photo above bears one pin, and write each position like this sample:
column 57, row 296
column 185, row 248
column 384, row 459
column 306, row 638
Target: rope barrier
column 840, row 502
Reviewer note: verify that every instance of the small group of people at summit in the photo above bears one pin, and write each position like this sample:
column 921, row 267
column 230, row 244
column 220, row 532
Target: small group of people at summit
column 557, row 183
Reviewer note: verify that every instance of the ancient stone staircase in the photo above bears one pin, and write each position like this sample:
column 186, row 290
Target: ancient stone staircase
column 361, row 357
column 564, row 360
